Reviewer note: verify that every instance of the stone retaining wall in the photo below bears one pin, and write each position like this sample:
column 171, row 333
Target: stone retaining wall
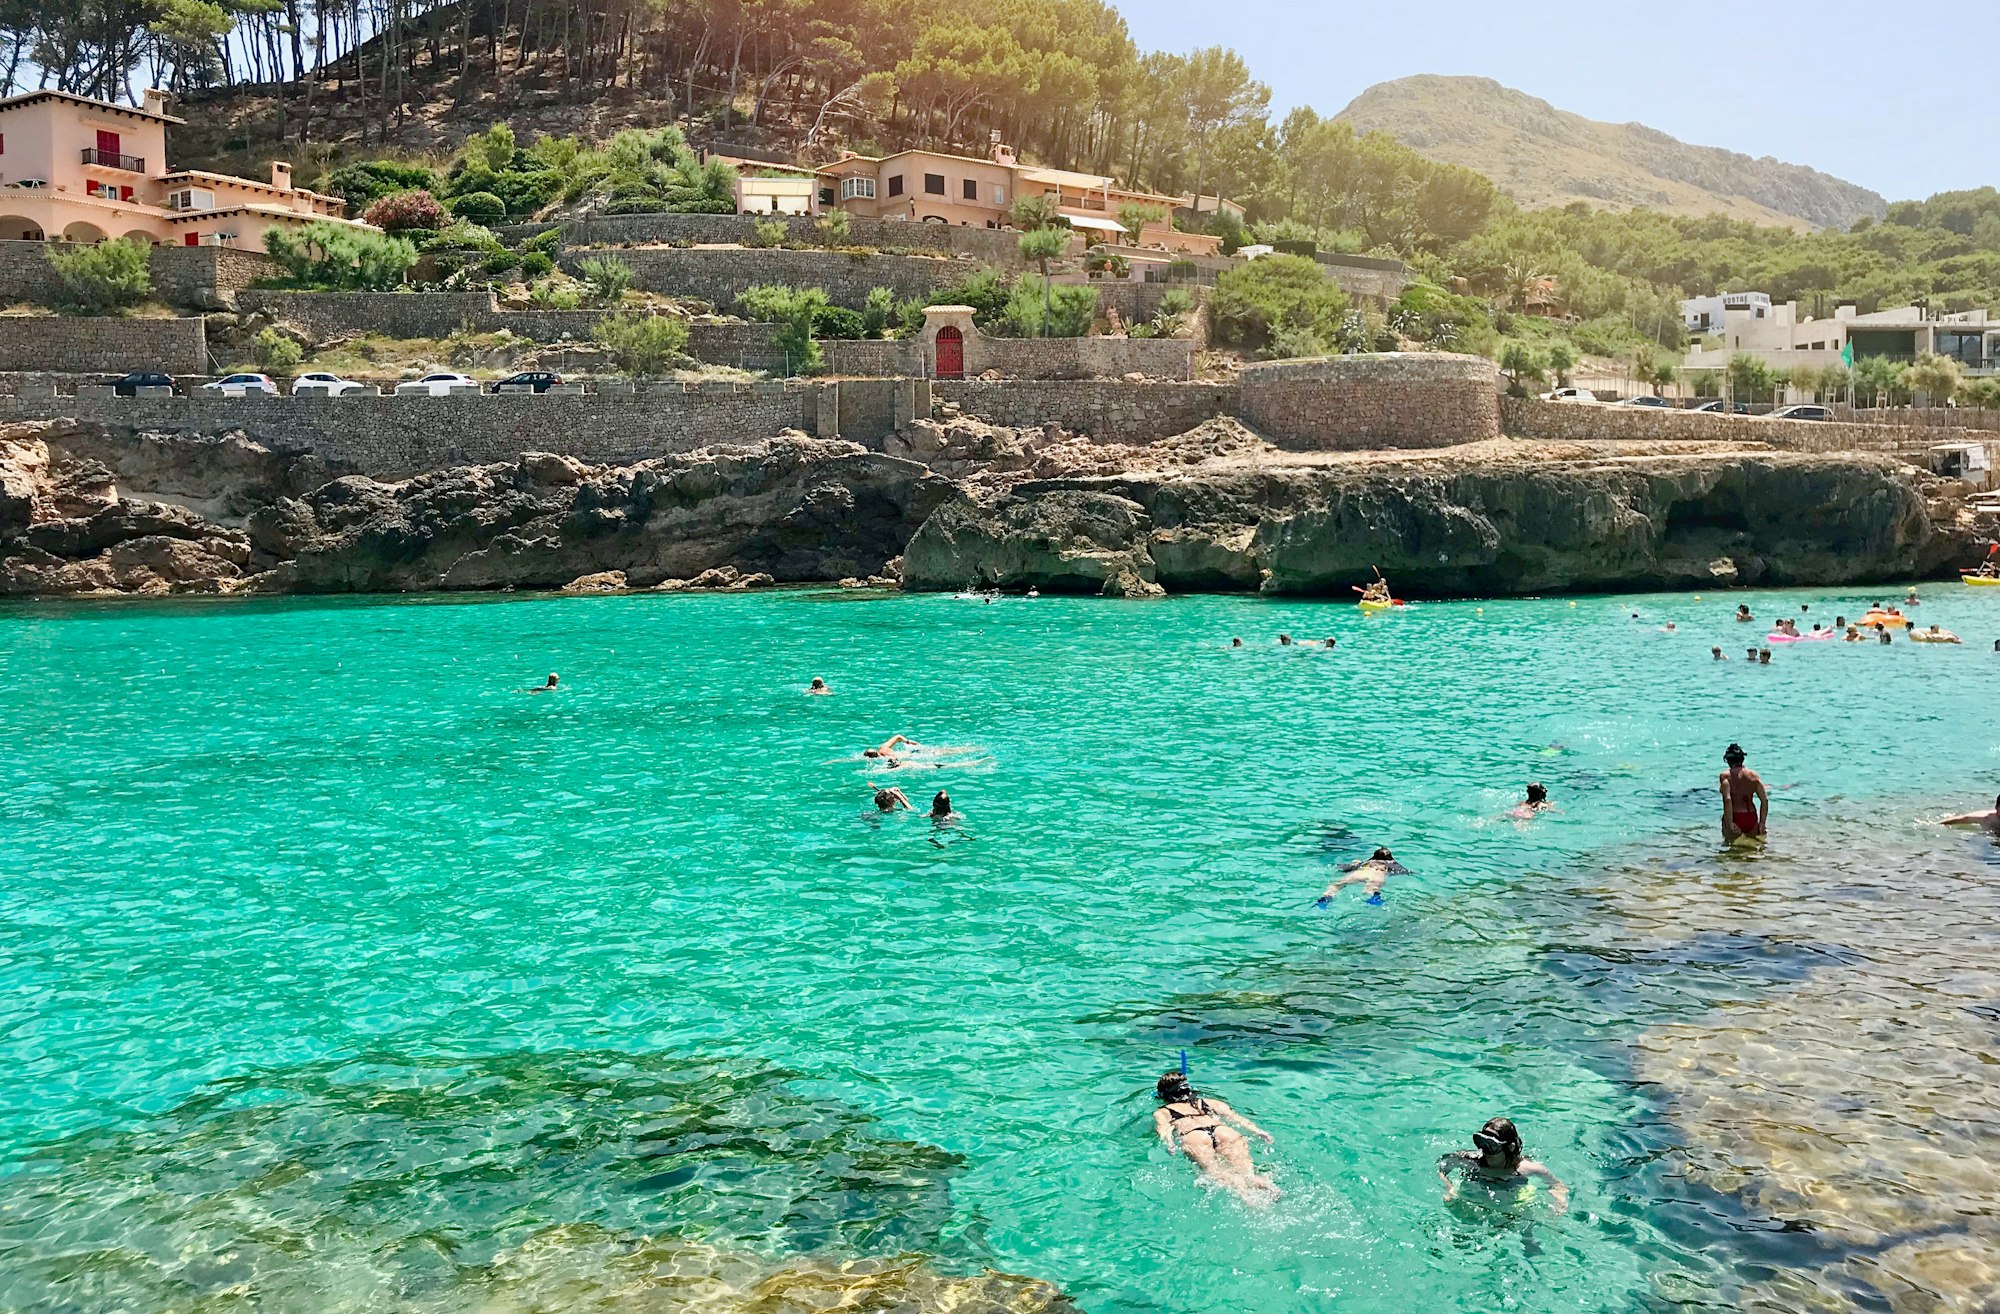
column 1568, row 422
column 720, row 277
column 1079, row 358
column 186, row 277
column 102, row 345
column 1108, row 412
column 995, row 246
column 1355, row 403
column 394, row 437
column 880, row 359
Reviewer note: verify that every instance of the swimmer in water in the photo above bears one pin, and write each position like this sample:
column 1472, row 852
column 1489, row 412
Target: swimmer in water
column 1331, row 643
column 1743, row 612
column 544, row 688
column 1537, row 800
column 1236, row 643
column 1717, row 653
column 1913, row 600
column 1371, row 874
column 1986, row 821
column 1764, row 657
column 891, row 800
column 941, row 808
column 1789, row 626
column 1936, row 635
column 1188, row 1122
column 1750, row 655
column 1746, row 804
column 1853, row 636
column 1497, row 1161
column 1284, row 640
column 1884, row 634
column 888, row 750
column 1670, row 627
column 818, row 686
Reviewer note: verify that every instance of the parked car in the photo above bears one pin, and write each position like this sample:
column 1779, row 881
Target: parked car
column 1572, row 395
column 539, row 380
column 1724, row 407
column 1800, row 413
column 236, row 385
column 324, row 385
column 129, row 385
column 436, row 385
column 1651, row 403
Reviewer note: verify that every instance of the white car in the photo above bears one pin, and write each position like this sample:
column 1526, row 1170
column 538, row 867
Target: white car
column 325, row 385
column 1583, row 395
column 238, row 385
column 437, row 385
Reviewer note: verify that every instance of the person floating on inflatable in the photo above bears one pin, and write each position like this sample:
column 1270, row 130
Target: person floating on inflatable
column 1371, row 874
column 1377, row 595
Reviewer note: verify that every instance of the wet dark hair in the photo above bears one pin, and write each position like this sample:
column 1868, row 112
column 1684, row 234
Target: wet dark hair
column 1499, row 1136
column 1383, row 855
column 1173, row 1088
column 1539, row 793
column 1733, row 754
column 941, row 805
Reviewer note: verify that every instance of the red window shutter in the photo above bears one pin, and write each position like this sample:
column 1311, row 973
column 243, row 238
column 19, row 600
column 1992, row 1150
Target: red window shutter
column 124, row 193
column 107, row 143
column 192, row 239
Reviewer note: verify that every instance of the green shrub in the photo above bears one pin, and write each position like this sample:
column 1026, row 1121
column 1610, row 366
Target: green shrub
column 770, row 232
column 535, row 264
column 1136, row 216
column 607, row 278
column 483, row 208
column 878, row 312
column 796, row 311
column 985, row 290
column 107, row 277
column 547, row 294
column 1524, row 365
column 463, row 235
column 499, row 262
column 642, row 345
column 364, row 183
column 1182, row 271
column 1071, row 309
column 838, row 323
column 636, row 205
column 834, row 226
column 275, row 353
column 548, row 241
column 336, row 257
column 1276, row 292
column 1288, row 343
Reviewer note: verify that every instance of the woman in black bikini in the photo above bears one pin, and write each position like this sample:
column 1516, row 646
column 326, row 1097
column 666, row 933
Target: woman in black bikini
column 1189, row 1122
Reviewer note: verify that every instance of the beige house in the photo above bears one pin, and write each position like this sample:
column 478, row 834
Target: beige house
column 928, row 187
column 1775, row 333
column 79, row 170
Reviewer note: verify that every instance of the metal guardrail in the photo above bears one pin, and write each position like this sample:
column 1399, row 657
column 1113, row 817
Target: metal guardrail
column 113, row 160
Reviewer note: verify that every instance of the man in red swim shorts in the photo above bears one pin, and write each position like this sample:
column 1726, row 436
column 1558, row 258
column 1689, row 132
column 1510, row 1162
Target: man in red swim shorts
column 1746, row 805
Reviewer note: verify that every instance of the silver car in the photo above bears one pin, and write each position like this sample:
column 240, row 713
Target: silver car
column 238, row 385
column 322, row 384
column 442, row 384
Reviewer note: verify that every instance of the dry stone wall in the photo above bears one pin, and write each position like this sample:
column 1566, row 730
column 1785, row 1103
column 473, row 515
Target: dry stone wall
column 720, row 277
column 996, row 246
column 1567, row 422
column 102, row 344
column 393, row 437
column 1109, row 412
column 1357, row 403
column 186, row 277
column 1079, row 358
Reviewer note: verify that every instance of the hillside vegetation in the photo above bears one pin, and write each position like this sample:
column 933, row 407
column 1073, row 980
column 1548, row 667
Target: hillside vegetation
column 1542, row 156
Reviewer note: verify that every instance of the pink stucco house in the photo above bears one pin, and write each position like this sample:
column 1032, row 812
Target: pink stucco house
column 80, row 170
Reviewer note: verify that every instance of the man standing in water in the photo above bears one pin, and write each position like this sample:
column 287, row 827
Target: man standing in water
column 1746, row 804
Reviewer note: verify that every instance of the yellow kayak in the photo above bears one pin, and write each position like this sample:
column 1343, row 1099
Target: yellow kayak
column 1983, row 581
column 1368, row 604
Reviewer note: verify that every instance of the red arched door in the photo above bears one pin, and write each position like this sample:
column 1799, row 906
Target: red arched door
column 950, row 353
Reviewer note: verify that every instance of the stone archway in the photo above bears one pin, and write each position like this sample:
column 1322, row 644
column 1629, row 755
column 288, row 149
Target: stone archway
column 84, row 233
column 141, row 235
column 19, row 228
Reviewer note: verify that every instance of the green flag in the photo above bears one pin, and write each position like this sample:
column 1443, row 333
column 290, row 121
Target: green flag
column 1847, row 355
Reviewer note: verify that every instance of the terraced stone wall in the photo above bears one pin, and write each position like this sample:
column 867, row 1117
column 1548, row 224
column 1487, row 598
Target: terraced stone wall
column 1356, row 403
column 1567, row 422
column 78, row 344
column 1108, row 412
column 720, row 277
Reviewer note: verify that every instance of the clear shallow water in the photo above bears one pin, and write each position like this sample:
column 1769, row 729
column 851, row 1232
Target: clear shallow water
column 336, row 973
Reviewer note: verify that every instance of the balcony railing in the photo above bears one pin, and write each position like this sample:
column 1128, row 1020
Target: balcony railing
column 113, row 160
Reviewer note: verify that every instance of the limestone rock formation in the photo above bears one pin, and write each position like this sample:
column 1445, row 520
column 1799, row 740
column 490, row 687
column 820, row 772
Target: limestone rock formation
column 1450, row 528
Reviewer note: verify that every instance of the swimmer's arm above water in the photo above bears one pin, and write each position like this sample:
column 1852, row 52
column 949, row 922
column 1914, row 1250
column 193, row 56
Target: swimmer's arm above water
column 1558, row 1193
column 1241, row 1121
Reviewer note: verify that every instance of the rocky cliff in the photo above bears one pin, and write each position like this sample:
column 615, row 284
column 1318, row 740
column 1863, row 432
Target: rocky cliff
column 1481, row 527
column 87, row 511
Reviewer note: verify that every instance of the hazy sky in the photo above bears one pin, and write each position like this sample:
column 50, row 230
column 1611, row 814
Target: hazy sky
column 1907, row 108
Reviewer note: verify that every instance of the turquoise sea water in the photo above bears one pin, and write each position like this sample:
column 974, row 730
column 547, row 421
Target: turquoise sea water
column 336, row 973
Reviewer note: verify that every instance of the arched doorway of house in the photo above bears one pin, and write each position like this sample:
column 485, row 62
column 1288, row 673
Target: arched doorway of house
column 141, row 235
column 83, row 232
column 16, row 228
column 950, row 353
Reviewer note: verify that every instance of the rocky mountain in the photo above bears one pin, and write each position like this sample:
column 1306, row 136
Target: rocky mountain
column 1540, row 155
